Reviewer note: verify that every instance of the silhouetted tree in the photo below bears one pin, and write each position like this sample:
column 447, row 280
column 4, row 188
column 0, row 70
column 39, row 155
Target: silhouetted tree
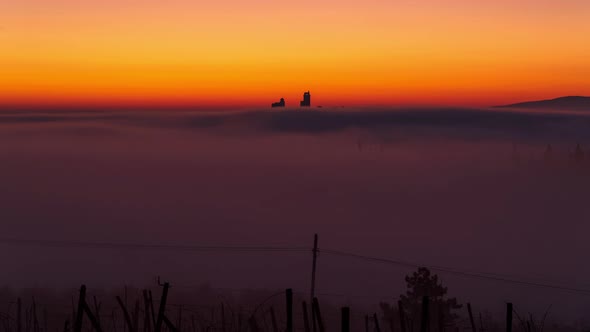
column 422, row 283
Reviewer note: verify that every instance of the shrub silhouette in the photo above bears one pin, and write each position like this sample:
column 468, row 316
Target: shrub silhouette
column 423, row 283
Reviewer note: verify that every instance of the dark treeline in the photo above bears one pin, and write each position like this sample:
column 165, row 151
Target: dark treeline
column 555, row 157
column 425, row 307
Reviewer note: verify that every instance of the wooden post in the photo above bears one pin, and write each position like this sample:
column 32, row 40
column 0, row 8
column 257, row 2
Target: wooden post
column 509, row 317
column 345, row 319
column 80, row 310
column 313, row 269
column 289, row 297
column 273, row 320
column 402, row 316
column 97, row 309
column 126, row 314
column 425, row 322
column 151, row 300
column 146, row 319
column 305, row 317
column 162, row 309
column 95, row 323
column 84, row 308
column 377, row 328
column 19, row 319
column 169, row 324
column 315, row 306
column 473, row 329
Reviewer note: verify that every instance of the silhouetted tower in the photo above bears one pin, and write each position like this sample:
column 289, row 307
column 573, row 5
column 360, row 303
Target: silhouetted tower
column 306, row 102
column 280, row 103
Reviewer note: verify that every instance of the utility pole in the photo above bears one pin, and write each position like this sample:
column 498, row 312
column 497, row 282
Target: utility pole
column 313, row 269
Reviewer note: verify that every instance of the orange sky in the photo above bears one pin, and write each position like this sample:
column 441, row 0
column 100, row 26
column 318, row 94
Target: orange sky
column 252, row 52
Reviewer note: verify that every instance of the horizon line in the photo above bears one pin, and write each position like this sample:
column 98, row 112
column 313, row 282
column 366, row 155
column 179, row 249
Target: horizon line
column 171, row 106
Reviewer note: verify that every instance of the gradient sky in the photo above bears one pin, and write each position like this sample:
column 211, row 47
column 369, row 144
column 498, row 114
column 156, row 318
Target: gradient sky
column 252, row 52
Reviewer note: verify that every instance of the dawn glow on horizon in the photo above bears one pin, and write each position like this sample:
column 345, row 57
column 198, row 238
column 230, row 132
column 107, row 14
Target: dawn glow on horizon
column 249, row 53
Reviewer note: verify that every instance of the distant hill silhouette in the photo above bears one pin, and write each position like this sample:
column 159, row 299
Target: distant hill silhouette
column 569, row 103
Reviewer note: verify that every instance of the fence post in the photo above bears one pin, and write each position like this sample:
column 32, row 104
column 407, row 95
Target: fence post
column 425, row 323
column 305, row 317
column 473, row 329
column 162, row 309
column 509, row 317
column 169, row 325
column 315, row 307
column 19, row 326
column 96, row 309
column 345, row 322
column 313, row 272
column 151, row 300
column 80, row 311
column 147, row 318
column 377, row 328
column 289, row 296
column 125, row 314
column 93, row 320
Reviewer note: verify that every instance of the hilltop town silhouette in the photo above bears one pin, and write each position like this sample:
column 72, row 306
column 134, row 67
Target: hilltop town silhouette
column 280, row 103
column 306, row 102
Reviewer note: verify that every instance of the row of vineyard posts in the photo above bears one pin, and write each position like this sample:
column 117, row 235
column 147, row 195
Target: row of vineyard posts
column 160, row 322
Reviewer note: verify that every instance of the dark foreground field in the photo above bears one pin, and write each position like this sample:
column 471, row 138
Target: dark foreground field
column 112, row 198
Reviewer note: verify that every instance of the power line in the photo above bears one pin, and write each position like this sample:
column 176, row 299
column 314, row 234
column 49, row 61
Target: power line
column 191, row 248
column 475, row 275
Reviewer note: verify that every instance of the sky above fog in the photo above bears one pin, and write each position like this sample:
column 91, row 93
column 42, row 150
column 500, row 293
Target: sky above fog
column 253, row 52
column 467, row 189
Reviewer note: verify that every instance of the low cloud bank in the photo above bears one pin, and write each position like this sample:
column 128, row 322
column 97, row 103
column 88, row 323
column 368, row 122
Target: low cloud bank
column 471, row 124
